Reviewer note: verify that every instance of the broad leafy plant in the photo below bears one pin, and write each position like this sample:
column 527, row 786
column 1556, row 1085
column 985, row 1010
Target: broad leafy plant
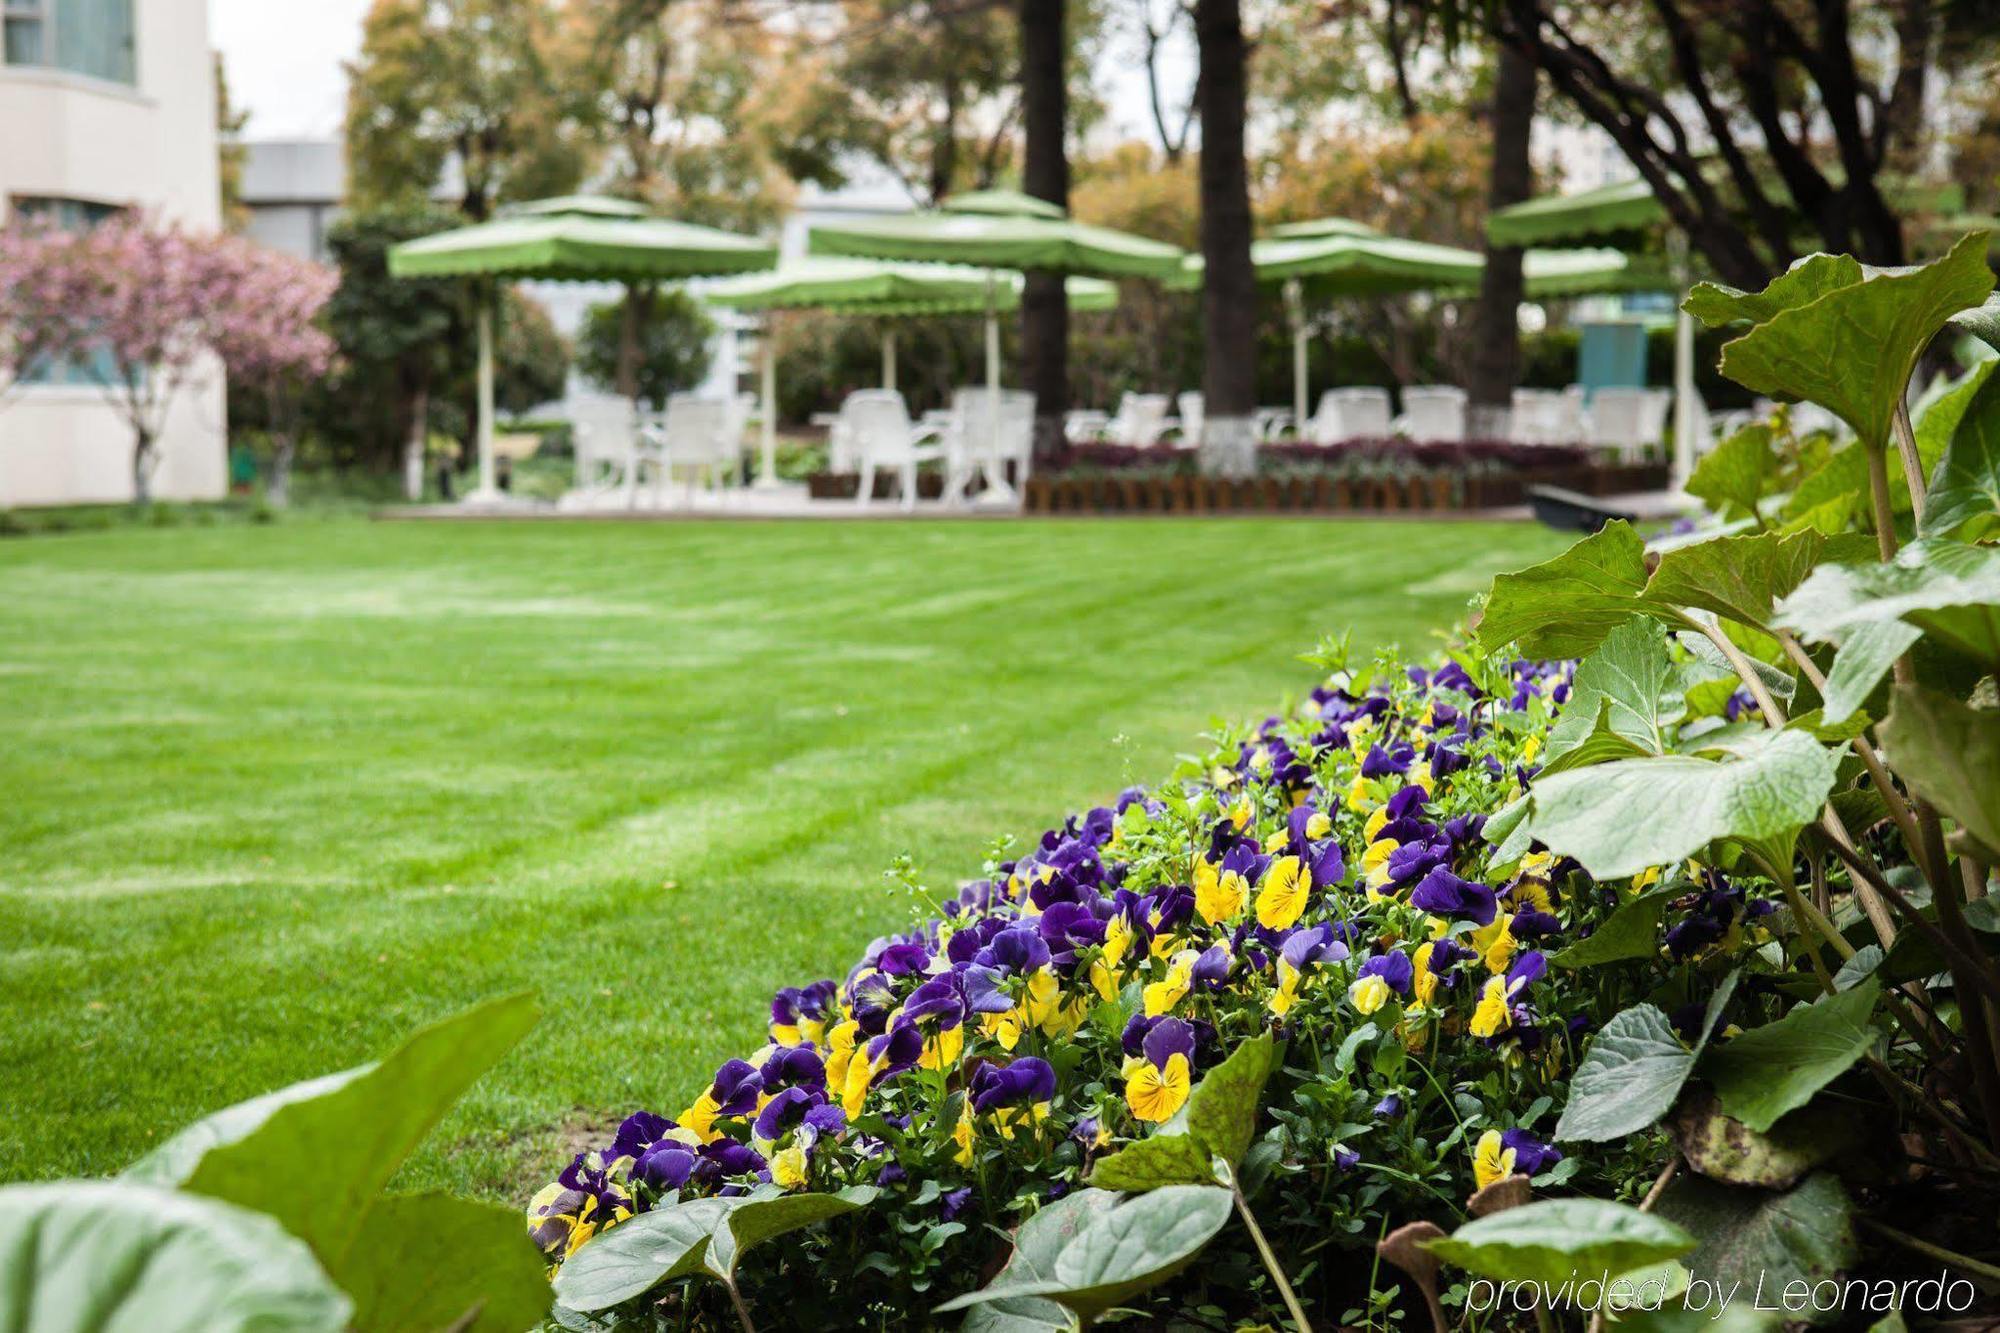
column 1799, row 699
column 274, row 1214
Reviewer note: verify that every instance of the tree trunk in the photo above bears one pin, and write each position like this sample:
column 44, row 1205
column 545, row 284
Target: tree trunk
column 143, row 460
column 634, row 312
column 1045, row 174
column 1496, row 334
column 1229, row 295
column 414, row 442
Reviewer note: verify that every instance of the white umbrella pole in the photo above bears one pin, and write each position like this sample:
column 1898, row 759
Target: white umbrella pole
column 889, row 359
column 997, row 489
column 1295, row 307
column 489, row 489
column 1684, row 392
column 767, row 415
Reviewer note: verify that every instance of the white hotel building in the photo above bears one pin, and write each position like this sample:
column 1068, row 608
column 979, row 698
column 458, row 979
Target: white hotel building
column 105, row 105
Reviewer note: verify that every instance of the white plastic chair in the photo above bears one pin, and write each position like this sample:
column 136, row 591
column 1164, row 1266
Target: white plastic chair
column 1084, row 425
column 1434, row 413
column 1360, row 412
column 1575, row 416
column 879, row 431
column 973, row 445
column 1534, row 416
column 693, row 435
column 1140, row 421
column 1272, row 423
column 1618, row 421
column 1193, row 411
column 604, row 431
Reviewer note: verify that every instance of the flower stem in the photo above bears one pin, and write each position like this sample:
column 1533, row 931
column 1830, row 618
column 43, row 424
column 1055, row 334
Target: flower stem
column 1878, row 490
column 742, row 1310
column 1913, row 467
column 1270, row 1260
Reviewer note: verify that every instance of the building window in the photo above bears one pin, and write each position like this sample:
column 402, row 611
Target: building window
column 93, row 365
column 93, row 37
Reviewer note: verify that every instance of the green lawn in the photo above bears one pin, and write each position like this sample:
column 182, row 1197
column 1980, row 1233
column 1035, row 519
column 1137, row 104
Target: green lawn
column 270, row 796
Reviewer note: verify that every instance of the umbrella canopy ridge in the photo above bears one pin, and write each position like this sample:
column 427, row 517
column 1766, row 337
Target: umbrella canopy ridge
column 1623, row 208
column 999, row 229
column 881, row 288
column 1292, row 231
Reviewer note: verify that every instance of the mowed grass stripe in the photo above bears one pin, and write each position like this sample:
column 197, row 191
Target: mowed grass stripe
column 272, row 796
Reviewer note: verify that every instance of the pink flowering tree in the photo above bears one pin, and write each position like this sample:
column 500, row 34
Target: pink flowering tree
column 146, row 295
column 266, row 329
column 37, row 302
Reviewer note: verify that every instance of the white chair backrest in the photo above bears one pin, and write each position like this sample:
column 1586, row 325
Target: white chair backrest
column 1659, row 403
column 696, row 430
column 1618, row 418
column 1141, row 420
column 1191, row 406
column 878, row 427
column 1571, row 416
column 1434, row 412
column 605, row 425
column 1534, row 416
column 1361, row 412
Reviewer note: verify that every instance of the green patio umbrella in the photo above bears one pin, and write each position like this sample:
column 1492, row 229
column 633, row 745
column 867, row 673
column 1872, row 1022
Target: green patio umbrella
column 575, row 238
column 879, row 289
column 1336, row 262
column 1312, row 227
column 999, row 229
column 1624, row 208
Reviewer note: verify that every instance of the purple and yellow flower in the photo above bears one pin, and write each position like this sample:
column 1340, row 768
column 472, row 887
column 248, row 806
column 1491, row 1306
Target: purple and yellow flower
column 1382, row 976
column 1510, row 1152
column 1157, row 1083
column 1495, row 1013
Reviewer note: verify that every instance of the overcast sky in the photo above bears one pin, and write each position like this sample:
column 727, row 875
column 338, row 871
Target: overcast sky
column 284, row 62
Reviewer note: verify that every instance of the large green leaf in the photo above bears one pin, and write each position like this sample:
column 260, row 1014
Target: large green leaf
column 1155, row 1161
column 752, row 1223
column 1607, row 816
column 1555, row 1239
column 1631, row 931
column 1950, row 590
column 317, row 1165
column 429, row 1262
column 1750, row 1236
column 1951, row 755
column 640, row 1253
column 1851, row 349
column 1776, row 1068
column 1982, row 321
column 1098, row 1257
column 1733, row 477
column 1865, row 656
column 175, row 1160
column 119, row 1257
column 1964, row 499
column 1739, row 578
column 1140, row 1243
column 1723, row 1148
column 1222, row 1111
column 1623, row 702
column 1565, row 607
column 1634, row 1070
column 1037, row 1242
column 1804, row 282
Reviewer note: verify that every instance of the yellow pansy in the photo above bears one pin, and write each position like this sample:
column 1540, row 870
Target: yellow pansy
column 1420, row 773
column 854, row 1088
column 1287, row 993
column 700, row 1118
column 1282, row 900
column 1163, row 995
column 1318, row 825
column 942, row 1051
column 1490, row 1160
column 1361, row 794
column 1375, row 865
column 1492, row 1017
column 1239, row 814
column 1219, row 895
column 1495, row 943
column 961, row 1134
column 1154, row 1094
column 1423, row 981
column 788, row 1168
column 1369, row 993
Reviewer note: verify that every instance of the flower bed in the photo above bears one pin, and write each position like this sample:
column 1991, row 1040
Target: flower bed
column 1696, row 935
column 1321, row 878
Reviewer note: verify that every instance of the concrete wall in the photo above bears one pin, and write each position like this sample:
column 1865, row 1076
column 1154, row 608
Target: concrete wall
column 151, row 147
